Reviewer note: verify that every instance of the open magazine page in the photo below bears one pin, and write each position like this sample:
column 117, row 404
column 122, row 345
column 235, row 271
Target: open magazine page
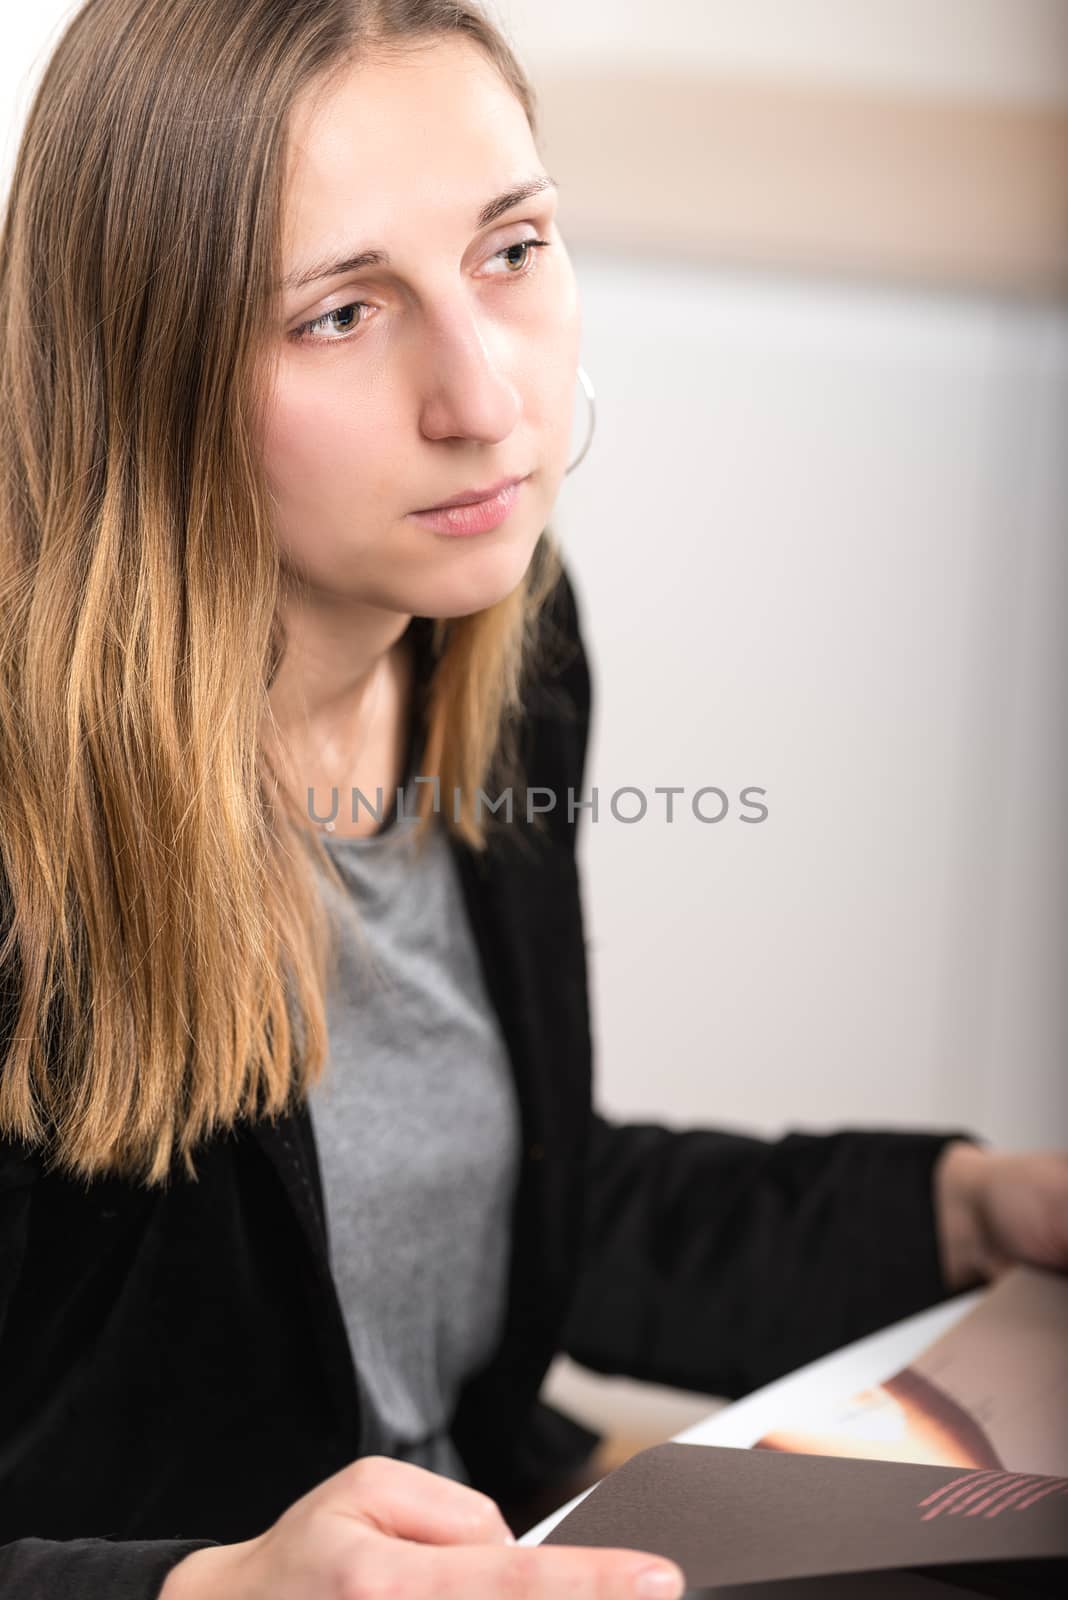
column 992, row 1392
column 962, row 1489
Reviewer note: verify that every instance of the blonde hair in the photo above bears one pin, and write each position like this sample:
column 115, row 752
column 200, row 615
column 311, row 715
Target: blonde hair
column 163, row 943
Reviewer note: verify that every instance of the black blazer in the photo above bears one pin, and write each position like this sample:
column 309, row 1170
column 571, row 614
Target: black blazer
column 174, row 1367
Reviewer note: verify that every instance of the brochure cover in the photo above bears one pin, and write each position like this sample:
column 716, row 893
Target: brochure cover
column 950, row 1480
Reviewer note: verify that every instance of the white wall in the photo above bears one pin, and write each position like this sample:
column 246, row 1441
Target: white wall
column 820, row 539
column 998, row 49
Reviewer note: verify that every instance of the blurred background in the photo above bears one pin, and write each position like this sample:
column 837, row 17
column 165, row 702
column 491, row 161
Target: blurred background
column 821, row 541
column 821, row 546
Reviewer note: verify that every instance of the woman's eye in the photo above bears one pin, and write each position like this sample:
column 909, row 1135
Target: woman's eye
column 302, row 334
column 526, row 264
column 305, row 333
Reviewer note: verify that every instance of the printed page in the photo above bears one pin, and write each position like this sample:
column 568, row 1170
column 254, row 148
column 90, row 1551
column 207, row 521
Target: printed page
column 991, row 1393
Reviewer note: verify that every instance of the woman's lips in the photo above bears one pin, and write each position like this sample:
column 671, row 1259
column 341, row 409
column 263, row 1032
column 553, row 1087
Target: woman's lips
column 477, row 518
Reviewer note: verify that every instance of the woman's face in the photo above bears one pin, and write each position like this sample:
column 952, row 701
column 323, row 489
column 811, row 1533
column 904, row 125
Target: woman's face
column 443, row 370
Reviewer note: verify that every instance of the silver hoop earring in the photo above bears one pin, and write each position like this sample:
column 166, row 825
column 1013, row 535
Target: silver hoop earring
column 591, row 401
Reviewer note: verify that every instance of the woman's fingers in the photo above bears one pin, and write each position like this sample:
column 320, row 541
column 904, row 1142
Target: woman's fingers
column 410, row 1502
column 434, row 1536
column 534, row 1572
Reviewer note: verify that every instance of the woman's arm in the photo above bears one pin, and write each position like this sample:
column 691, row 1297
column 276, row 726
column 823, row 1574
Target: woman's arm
column 91, row 1569
column 716, row 1261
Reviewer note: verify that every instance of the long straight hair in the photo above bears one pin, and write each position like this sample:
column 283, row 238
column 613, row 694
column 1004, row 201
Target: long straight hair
column 163, row 944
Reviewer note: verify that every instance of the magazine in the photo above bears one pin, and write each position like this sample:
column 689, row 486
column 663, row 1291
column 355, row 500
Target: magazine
column 950, row 1479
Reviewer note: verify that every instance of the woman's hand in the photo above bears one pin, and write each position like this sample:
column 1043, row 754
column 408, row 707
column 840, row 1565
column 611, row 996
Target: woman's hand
column 383, row 1527
column 995, row 1210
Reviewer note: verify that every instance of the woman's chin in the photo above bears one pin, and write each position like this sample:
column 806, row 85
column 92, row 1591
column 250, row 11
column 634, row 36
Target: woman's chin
column 479, row 574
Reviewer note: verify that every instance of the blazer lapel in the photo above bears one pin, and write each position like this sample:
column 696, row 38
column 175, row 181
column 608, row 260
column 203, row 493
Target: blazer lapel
column 288, row 1144
column 525, row 916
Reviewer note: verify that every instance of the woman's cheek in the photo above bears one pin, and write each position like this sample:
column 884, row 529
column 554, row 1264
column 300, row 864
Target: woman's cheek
column 326, row 438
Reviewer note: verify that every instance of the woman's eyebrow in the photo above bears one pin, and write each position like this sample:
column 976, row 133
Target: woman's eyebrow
column 490, row 212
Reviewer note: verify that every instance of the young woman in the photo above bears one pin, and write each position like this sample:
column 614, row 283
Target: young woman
column 301, row 1189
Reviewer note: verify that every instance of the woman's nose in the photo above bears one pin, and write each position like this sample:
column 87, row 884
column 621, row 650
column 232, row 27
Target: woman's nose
column 465, row 391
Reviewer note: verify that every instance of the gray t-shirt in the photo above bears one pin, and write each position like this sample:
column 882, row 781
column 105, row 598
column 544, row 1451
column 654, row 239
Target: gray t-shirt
column 417, row 1126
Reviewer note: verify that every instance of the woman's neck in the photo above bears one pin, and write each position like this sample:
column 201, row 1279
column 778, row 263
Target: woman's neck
column 352, row 735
